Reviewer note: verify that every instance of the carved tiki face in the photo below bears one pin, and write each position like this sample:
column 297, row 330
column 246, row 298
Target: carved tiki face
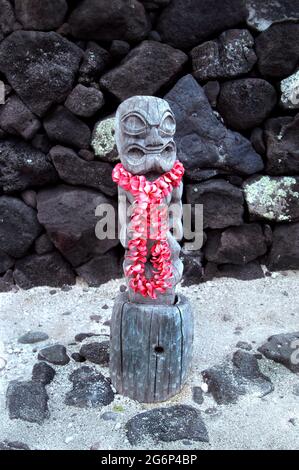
column 145, row 127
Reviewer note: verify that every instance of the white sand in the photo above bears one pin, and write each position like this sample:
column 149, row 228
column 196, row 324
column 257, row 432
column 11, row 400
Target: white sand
column 260, row 308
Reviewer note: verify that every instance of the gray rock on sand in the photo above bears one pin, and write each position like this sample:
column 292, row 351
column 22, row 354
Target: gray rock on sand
column 32, row 337
column 43, row 373
column 283, row 349
column 98, row 353
column 90, row 389
column 28, row 401
column 170, row 424
column 55, row 354
column 229, row 381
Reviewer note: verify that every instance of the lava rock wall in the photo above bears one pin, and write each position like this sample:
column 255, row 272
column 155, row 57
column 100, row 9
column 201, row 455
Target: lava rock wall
column 229, row 69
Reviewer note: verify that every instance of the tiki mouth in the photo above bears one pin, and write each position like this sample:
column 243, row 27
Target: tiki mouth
column 140, row 151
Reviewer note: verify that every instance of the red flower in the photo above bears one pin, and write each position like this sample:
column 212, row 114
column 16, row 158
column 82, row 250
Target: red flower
column 148, row 194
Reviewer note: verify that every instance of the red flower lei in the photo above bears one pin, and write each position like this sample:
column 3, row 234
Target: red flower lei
column 148, row 194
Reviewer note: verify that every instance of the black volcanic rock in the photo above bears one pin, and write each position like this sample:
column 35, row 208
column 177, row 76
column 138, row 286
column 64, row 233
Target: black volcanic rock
column 202, row 140
column 19, row 227
column 22, row 166
column 74, row 170
column 222, row 203
column 43, row 270
column 68, row 214
column 284, row 253
column 7, row 18
column 144, row 71
column 277, row 49
column 6, row 262
column 48, row 73
column 246, row 103
column 98, row 353
column 90, row 389
column 27, row 401
column 185, row 24
column 84, row 101
column 17, row 119
column 103, row 20
column 43, row 373
column 42, row 16
column 55, row 354
column 100, row 269
column 230, row 380
column 169, row 424
column 232, row 54
column 95, row 61
column 282, row 140
column 261, row 15
column 236, row 245
column 283, row 349
column 64, row 127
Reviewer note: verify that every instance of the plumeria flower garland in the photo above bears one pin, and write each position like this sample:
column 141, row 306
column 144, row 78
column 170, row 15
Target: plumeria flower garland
column 149, row 195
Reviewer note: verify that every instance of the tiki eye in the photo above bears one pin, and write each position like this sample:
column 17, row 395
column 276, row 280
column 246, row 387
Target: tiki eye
column 134, row 124
column 168, row 126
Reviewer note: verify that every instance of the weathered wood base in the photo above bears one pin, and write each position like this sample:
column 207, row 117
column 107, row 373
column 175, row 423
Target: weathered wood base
column 150, row 348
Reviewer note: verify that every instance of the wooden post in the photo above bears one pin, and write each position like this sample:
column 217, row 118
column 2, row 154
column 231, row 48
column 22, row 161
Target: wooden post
column 151, row 328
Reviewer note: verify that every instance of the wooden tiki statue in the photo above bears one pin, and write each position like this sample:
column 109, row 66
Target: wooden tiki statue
column 151, row 328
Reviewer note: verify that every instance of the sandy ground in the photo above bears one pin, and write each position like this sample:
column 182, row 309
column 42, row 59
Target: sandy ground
column 226, row 311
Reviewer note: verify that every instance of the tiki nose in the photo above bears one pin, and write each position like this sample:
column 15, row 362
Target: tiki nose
column 154, row 139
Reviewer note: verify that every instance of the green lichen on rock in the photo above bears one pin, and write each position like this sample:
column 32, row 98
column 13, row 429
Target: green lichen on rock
column 103, row 140
column 290, row 91
column 273, row 198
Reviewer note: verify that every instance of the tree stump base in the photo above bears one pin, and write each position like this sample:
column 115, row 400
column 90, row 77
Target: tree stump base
column 150, row 348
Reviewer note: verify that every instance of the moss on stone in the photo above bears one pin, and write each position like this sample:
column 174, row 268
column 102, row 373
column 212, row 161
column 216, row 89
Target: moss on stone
column 269, row 197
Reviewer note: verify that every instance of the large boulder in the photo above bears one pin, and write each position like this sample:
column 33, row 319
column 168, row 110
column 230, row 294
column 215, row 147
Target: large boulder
column 230, row 55
column 284, row 253
column 43, row 16
column 144, row 71
column 22, row 166
column 73, row 170
column 246, row 103
column 236, row 245
column 277, row 49
column 103, row 20
column 203, row 141
column 19, row 226
column 282, row 139
column 68, row 214
column 43, row 270
column 261, row 15
column 222, row 203
column 273, row 199
column 185, row 24
column 47, row 75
